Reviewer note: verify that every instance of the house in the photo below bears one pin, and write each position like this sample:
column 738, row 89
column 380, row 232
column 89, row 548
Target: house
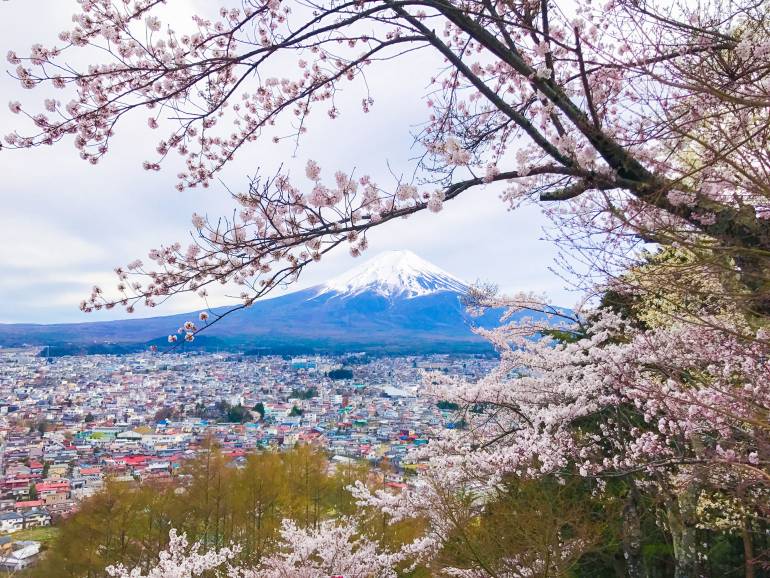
column 58, row 470
column 129, row 435
column 58, row 498
column 46, row 488
column 17, row 485
column 11, row 522
column 28, row 504
column 18, row 470
column 36, row 518
column 94, row 472
column 61, row 509
column 22, row 555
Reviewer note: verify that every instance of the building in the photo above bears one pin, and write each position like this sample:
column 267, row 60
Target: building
column 20, row 556
column 11, row 522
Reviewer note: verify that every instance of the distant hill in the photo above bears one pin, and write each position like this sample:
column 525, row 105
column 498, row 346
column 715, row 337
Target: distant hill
column 394, row 303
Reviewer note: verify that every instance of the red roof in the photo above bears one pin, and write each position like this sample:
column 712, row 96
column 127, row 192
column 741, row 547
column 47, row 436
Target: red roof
column 135, row 460
column 18, row 477
column 30, row 504
column 48, row 486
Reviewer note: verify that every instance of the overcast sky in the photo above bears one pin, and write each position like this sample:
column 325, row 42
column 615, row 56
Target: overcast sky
column 66, row 224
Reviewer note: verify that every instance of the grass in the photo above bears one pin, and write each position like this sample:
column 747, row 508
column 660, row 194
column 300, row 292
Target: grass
column 43, row 535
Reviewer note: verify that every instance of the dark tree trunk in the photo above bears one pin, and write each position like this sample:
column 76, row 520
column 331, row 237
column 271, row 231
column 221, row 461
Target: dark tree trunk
column 748, row 549
column 632, row 535
column 681, row 511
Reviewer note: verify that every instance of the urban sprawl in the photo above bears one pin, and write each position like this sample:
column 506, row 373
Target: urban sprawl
column 68, row 423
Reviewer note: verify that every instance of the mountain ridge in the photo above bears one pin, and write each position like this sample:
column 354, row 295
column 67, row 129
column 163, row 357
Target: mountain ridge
column 395, row 302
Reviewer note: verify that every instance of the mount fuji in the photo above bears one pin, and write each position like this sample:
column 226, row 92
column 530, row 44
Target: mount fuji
column 394, row 303
column 394, row 274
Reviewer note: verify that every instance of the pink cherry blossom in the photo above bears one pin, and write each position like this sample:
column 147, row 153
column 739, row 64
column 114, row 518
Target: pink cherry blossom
column 612, row 118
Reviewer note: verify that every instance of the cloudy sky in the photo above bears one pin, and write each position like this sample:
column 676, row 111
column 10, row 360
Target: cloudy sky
column 65, row 224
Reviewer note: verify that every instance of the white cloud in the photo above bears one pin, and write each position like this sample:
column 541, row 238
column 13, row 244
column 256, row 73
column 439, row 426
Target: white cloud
column 40, row 244
column 64, row 225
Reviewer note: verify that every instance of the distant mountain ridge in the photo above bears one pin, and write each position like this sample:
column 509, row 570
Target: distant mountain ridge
column 394, row 303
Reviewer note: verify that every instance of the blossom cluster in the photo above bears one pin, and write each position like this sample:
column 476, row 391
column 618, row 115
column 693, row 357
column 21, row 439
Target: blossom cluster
column 335, row 548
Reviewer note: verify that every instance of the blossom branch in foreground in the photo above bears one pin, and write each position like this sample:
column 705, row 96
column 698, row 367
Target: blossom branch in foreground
column 624, row 105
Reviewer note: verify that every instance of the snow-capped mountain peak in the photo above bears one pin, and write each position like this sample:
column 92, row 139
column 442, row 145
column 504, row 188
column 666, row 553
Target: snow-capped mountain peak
column 394, row 273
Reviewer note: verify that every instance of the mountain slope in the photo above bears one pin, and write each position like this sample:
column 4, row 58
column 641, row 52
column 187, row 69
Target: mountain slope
column 395, row 302
column 394, row 274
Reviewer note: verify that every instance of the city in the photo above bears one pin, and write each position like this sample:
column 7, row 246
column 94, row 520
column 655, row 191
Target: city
column 68, row 423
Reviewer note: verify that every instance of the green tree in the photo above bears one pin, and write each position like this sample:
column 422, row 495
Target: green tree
column 341, row 374
column 238, row 414
column 295, row 411
column 447, row 405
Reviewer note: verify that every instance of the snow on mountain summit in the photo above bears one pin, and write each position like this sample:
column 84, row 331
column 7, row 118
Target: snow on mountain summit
column 394, row 273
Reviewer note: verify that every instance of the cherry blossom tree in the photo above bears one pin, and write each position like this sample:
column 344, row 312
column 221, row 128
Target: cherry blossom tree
column 180, row 560
column 621, row 112
column 334, row 548
column 678, row 409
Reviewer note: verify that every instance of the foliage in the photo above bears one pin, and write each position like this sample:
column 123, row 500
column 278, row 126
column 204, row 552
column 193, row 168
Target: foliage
column 210, row 503
column 42, row 427
column 528, row 528
column 447, row 405
column 238, row 414
column 164, row 413
column 295, row 411
column 308, row 393
column 224, row 411
column 341, row 373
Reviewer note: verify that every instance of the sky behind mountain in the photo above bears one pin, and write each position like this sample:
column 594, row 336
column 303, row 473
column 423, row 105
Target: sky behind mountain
column 65, row 224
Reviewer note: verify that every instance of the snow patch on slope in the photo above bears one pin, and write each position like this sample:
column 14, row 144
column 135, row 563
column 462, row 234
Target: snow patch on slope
column 394, row 273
